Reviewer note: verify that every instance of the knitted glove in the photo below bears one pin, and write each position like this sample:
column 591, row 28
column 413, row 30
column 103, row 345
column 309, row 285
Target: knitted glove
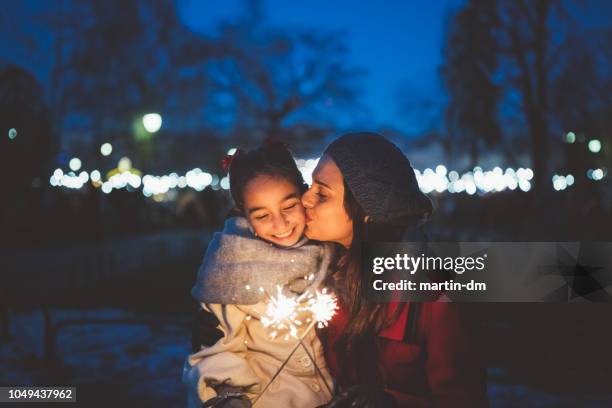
column 228, row 397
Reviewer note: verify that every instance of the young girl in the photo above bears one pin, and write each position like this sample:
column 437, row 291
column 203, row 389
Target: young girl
column 243, row 264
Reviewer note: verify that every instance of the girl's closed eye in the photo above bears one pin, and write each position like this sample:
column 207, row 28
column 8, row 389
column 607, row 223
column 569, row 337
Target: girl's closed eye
column 294, row 203
column 261, row 217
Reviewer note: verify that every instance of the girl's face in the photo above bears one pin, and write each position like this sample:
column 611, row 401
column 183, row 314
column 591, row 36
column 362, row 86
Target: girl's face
column 326, row 217
column 273, row 208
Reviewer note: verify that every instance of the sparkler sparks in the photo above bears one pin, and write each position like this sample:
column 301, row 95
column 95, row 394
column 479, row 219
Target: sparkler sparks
column 285, row 314
column 323, row 307
column 282, row 314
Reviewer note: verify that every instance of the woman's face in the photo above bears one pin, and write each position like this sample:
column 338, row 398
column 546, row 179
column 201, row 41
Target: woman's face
column 326, row 217
column 273, row 208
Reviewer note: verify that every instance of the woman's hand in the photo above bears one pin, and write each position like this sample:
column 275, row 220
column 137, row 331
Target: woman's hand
column 359, row 396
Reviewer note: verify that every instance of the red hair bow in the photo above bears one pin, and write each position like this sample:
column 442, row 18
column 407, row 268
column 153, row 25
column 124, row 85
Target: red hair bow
column 227, row 161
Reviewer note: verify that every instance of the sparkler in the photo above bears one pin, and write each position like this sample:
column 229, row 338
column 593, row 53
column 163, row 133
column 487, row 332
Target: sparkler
column 288, row 313
column 285, row 313
column 282, row 314
column 323, row 307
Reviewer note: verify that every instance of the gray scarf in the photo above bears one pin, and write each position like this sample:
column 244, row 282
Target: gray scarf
column 237, row 264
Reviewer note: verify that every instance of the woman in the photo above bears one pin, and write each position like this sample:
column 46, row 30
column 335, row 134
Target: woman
column 384, row 355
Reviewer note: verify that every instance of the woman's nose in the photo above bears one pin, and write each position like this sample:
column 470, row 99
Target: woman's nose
column 307, row 201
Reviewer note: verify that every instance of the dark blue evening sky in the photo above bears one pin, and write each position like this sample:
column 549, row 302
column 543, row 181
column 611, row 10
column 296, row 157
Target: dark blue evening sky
column 398, row 43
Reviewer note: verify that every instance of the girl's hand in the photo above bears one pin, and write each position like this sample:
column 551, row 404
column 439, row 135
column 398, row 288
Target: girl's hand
column 228, row 397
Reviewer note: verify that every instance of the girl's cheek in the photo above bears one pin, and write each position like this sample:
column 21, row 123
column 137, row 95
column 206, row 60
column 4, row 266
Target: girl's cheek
column 300, row 216
column 258, row 227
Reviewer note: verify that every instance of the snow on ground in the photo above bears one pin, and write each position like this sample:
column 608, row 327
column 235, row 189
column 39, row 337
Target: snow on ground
column 136, row 362
column 140, row 365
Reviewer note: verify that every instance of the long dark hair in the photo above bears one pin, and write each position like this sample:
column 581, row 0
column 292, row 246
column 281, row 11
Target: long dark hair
column 358, row 347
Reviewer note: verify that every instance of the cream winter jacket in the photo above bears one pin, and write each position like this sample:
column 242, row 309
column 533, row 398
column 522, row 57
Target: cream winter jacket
column 247, row 356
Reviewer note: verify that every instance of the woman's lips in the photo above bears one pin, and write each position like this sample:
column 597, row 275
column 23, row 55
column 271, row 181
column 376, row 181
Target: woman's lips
column 308, row 219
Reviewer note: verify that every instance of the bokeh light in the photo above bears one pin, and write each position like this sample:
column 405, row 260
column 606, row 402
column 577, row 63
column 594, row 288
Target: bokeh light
column 225, row 184
column 106, row 149
column 95, row 176
column 594, row 146
column 438, row 181
column 152, row 122
column 75, row 164
column 598, row 174
column 125, row 164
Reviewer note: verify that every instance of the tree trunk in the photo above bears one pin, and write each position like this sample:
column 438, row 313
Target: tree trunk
column 4, row 321
column 538, row 132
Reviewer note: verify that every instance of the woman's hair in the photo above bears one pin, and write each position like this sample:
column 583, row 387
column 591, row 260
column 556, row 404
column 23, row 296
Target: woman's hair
column 358, row 347
column 271, row 159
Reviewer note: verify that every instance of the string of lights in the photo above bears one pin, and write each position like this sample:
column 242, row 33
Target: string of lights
column 438, row 180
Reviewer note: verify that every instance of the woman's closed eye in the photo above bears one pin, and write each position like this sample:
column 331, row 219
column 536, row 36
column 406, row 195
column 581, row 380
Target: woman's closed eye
column 261, row 217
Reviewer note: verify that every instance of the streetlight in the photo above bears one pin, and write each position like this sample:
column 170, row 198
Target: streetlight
column 152, row 122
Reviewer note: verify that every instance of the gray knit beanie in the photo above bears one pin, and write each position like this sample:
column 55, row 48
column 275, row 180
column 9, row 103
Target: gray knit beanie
column 380, row 177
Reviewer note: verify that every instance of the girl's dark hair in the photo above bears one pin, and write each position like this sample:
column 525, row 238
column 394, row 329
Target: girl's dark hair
column 271, row 159
column 358, row 347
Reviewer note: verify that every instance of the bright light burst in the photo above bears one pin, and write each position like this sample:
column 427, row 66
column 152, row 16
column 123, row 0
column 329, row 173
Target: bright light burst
column 323, row 306
column 282, row 314
column 285, row 314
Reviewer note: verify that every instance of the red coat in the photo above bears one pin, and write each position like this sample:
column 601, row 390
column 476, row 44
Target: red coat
column 439, row 368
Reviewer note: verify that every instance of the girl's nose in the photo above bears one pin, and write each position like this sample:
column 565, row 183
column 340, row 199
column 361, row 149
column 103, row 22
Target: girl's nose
column 279, row 221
